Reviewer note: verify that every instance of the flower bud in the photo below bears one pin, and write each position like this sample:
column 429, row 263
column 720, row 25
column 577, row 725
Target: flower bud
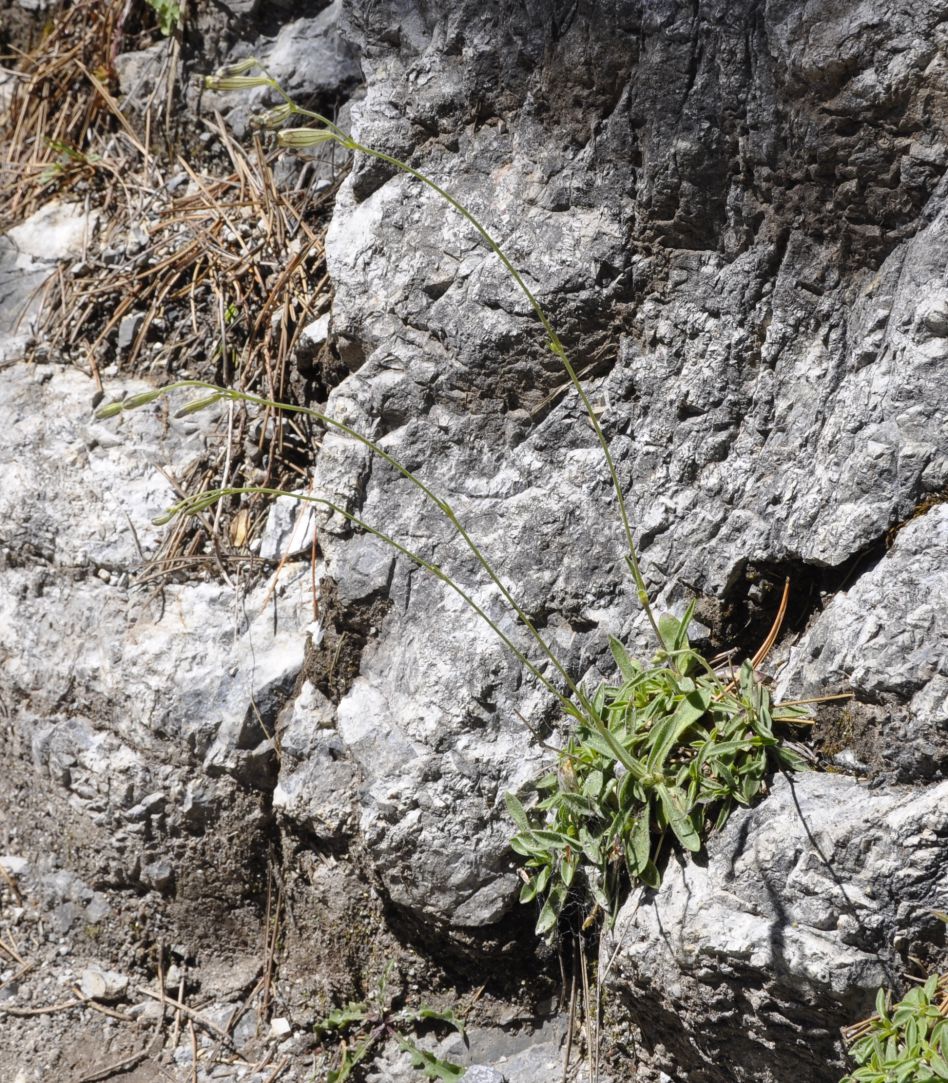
column 304, row 137
column 131, row 403
column 273, row 118
column 238, row 67
column 236, row 82
column 198, row 404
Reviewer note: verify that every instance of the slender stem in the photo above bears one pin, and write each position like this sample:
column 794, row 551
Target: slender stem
column 204, row 500
column 439, row 502
column 555, row 343
column 201, row 501
column 235, row 395
column 556, row 346
column 813, row 699
column 298, row 109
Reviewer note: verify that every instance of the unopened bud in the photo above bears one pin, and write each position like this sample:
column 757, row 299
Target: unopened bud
column 238, row 67
column 304, row 137
column 198, row 404
column 236, row 82
column 273, row 118
column 165, row 518
column 131, row 403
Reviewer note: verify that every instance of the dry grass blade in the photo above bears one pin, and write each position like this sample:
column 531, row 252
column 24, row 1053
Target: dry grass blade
column 55, row 119
column 191, row 1013
column 766, row 647
column 16, row 975
column 11, row 884
column 10, row 949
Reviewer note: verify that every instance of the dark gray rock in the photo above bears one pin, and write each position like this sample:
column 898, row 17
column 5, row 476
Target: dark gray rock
column 887, row 639
column 303, row 48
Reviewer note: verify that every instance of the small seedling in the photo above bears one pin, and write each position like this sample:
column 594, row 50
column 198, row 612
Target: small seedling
column 168, row 13
column 71, row 162
column 357, row 1030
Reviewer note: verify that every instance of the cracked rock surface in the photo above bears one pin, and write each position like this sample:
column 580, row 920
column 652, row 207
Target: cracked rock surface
column 784, row 935
column 751, row 277
column 735, row 213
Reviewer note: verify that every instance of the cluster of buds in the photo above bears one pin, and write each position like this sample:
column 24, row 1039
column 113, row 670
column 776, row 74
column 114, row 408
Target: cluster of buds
column 250, row 73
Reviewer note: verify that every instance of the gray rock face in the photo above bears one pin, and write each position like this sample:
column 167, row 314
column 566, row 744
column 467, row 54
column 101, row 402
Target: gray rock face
column 742, row 969
column 303, row 48
column 887, row 639
column 195, row 677
column 28, row 255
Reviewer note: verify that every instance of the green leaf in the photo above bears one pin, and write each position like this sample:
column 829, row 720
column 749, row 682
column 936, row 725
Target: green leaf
column 342, row 1073
column 543, row 878
column 627, row 667
column 569, row 866
column 650, row 876
column 591, row 846
column 527, row 846
column 344, row 1017
column 449, row 1017
column 674, row 632
column 750, row 786
column 668, row 732
column 681, row 642
column 592, row 787
column 548, row 917
column 939, row 1066
column 169, row 15
column 517, row 812
column 673, row 805
column 793, row 761
column 553, row 839
column 641, row 842
column 669, row 628
column 432, row 1066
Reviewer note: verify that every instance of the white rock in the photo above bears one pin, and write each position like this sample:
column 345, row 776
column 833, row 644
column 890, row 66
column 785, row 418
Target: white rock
column 317, row 332
column 56, row 231
column 99, row 984
column 280, row 1028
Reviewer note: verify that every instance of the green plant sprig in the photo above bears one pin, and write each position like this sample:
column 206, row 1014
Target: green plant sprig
column 907, row 1043
column 168, row 14
column 583, row 710
column 665, row 755
column 235, row 77
column 362, row 1024
column 694, row 748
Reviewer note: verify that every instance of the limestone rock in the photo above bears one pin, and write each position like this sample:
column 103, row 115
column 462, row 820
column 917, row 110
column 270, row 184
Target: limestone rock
column 755, row 313
column 742, row 968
